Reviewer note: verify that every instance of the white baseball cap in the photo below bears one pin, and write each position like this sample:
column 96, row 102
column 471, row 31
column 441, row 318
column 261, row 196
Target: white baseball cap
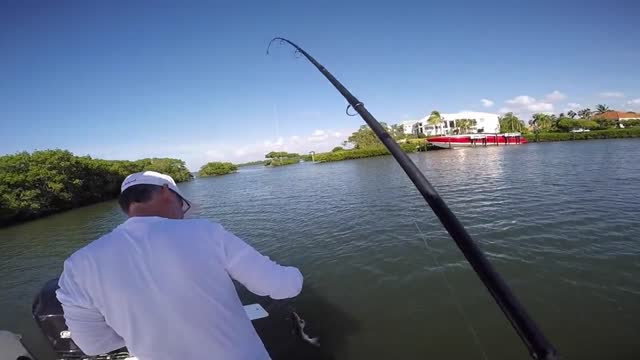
column 151, row 178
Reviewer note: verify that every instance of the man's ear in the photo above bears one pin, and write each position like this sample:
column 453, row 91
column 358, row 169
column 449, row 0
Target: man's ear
column 164, row 191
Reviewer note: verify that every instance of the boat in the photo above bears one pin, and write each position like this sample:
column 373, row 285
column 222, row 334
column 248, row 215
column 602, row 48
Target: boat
column 267, row 317
column 12, row 348
column 473, row 140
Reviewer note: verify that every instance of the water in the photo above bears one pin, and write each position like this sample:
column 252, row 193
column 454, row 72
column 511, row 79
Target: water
column 559, row 221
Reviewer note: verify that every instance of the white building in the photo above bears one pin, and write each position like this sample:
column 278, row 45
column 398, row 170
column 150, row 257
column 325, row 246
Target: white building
column 485, row 123
column 407, row 126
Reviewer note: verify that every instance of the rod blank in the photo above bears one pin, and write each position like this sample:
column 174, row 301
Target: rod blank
column 538, row 345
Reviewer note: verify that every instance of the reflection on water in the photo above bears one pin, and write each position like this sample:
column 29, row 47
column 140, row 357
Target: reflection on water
column 558, row 220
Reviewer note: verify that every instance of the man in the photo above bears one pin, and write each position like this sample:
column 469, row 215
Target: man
column 161, row 285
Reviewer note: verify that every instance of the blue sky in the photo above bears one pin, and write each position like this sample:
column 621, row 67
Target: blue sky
column 191, row 80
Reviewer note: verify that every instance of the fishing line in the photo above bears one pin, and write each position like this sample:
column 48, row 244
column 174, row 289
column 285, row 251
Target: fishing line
column 431, row 251
column 452, row 292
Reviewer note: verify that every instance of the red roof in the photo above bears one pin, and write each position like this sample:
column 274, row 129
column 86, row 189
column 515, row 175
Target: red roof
column 617, row 115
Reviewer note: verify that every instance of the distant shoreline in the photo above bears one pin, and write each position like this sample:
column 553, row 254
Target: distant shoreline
column 588, row 135
column 340, row 156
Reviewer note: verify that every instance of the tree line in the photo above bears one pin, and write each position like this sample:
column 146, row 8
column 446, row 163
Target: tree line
column 364, row 143
column 273, row 158
column 40, row 183
column 359, row 153
column 628, row 132
column 540, row 122
column 360, row 144
column 563, row 122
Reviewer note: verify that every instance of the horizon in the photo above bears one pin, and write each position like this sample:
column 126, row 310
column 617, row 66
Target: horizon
column 193, row 81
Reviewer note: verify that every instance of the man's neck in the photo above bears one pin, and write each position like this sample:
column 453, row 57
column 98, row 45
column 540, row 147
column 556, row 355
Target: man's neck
column 141, row 211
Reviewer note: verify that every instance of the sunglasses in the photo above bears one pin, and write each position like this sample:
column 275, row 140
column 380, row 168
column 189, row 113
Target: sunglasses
column 185, row 204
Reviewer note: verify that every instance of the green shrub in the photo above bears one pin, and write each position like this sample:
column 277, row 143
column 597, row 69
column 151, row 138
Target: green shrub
column 44, row 182
column 567, row 124
column 360, row 153
column 251, row 163
column 281, row 154
column 282, row 161
column 281, row 158
column 596, row 134
column 606, row 123
column 416, row 141
column 631, row 123
column 217, row 168
column 173, row 167
column 588, row 124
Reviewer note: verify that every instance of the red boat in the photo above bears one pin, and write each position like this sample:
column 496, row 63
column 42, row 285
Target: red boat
column 473, row 140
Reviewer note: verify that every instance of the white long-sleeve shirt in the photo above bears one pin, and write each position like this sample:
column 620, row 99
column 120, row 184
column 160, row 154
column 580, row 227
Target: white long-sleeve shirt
column 163, row 288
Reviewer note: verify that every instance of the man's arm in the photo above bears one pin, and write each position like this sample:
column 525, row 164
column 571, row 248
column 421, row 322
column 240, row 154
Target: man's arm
column 87, row 325
column 257, row 272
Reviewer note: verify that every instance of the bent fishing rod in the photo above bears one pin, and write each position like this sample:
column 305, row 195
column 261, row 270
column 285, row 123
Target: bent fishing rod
column 538, row 345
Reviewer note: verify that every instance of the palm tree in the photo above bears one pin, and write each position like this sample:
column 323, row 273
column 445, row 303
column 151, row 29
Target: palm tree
column 584, row 113
column 554, row 121
column 435, row 119
column 542, row 121
column 601, row 109
column 561, row 115
column 510, row 123
column 572, row 114
column 397, row 131
column 464, row 125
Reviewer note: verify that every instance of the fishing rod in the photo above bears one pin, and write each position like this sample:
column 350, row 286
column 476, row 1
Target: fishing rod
column 537, row 344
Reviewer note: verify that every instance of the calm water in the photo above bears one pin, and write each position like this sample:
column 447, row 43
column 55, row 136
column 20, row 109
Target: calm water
column 383, row 280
